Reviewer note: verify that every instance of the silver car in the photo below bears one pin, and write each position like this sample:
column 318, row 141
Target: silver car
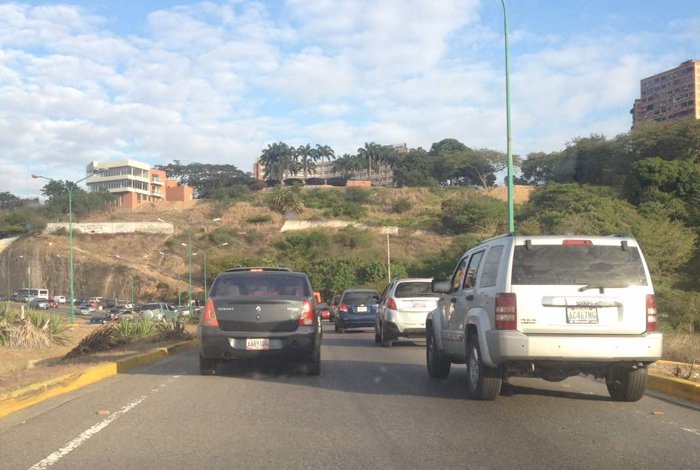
column 402, row 310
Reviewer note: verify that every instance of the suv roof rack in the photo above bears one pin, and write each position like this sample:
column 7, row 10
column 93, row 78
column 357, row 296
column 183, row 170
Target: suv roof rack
column 257, row 268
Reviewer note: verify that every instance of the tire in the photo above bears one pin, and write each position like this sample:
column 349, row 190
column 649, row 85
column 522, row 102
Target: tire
column 626, row 384
column 483, row 383
column 207, row 366
column 313, row 364
column 338, row 329
column 384, row 337
column 438, row 366
column 377, row 336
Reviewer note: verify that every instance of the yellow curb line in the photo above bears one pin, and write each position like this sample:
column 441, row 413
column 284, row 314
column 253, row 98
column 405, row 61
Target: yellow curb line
column 677, row 387
column 33, row 394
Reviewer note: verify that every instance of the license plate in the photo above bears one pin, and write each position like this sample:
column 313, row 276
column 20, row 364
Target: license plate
column 257, row 344
column 419, row 305
column 582, row 315
column 361, row 309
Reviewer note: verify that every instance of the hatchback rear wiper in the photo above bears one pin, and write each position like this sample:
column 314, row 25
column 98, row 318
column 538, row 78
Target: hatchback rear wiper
column 601, row 287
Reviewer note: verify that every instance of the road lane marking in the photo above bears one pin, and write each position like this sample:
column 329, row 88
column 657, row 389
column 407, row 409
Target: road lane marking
column 91, row 431
column 694, row 431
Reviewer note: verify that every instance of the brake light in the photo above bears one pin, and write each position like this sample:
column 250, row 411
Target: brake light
column 209, row 315
column 651, row 312
column 391, row 304
column 577, row 242
column 308, row 318
column 506, row 312
column 343, row 308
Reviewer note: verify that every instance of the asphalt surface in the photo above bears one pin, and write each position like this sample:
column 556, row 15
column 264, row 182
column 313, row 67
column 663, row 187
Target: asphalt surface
column 371, row 407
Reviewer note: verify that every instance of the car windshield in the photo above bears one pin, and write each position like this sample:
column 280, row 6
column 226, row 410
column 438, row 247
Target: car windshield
column 610, row 265
column 413, row 289
column 261, row 284
column 361, row 298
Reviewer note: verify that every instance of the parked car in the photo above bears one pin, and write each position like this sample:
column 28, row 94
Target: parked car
column 403, row 307
column 61, row 299
column 85, row 310
column 53, row 303
column 323, row 311
column 548, row 307
column 260, row 312
column 157, row 311
column 357, row 308
column 38, row 304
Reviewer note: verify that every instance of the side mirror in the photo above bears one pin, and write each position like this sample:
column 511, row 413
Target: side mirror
column 441, row 287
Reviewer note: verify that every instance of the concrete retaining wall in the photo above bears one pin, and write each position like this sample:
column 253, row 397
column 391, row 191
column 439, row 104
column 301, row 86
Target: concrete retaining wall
column 114, row 227
column 291, row 225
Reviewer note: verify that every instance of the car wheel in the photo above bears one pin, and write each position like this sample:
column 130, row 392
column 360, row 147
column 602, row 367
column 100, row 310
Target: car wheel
column 313, row 364
column 438, row 366
column 483, row 383
column 207, row 366
column 385, row 338
column 626, row 384
column 338, row 329
column 377, row 336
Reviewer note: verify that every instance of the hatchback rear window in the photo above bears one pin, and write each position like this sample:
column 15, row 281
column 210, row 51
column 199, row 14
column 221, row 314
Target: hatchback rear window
column 361, row 298
column 608, row 265
column 413, row 289
column 260, row 284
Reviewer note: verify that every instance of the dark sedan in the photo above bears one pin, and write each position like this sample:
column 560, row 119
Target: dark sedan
column 357, row 308
column 260, row 312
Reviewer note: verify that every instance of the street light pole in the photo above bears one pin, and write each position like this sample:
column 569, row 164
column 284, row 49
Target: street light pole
column 69, row 190
column 511, row 196
column 206, row 293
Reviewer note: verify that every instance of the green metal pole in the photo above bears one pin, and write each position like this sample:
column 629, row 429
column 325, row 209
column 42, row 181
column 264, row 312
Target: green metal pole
column 511, row 205
column 70, row 253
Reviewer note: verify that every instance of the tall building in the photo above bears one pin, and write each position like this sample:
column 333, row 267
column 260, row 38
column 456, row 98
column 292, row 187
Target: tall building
column 134, row 183
column 670, row 95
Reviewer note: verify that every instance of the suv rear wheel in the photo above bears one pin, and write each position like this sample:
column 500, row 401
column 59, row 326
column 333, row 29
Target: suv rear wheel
column 626, row 384
column 438, row 366
column 483, row 383
column 207, row 366
column 385, row 337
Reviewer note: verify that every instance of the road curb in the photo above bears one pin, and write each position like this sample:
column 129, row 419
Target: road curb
column 25, row 397
column 675, row 386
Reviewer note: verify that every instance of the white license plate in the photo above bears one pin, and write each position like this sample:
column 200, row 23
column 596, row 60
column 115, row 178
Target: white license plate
column 257, row 344
column 361, row 309
column 582, row 315
column 419, row 305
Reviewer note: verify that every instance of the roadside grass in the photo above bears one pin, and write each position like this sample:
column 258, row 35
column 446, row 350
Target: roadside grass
column 30, row 329
column 681, row 346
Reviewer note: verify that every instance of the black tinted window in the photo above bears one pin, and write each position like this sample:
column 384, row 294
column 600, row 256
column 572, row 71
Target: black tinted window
column 578, row 264
column 261, row 284
column 412, row 289
column 361, row 298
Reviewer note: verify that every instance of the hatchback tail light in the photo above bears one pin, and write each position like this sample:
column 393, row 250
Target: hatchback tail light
column 209, row 315
column 343, row 308
column 391, row 304
column 308, row 318
column 651, row 313
column 506, row 312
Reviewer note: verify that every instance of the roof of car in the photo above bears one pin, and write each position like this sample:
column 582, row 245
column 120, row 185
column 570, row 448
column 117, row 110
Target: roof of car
column 257, row 268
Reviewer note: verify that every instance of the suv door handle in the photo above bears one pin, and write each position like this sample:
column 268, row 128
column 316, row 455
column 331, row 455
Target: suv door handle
column 470, row 297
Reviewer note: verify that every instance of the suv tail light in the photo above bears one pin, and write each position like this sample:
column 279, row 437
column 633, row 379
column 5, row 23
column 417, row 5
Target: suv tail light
column 308, row 317
column 506, row 312
column 391, row 304
column 343, row 308
column 651, row 313
column 209, row 315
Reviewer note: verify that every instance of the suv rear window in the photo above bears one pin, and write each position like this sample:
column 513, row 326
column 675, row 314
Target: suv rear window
column 413, row 289
column 578, row 264
column 252, row 283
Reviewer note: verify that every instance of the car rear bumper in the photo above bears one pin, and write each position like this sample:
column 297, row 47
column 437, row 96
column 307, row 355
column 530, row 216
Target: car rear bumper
column 507, row 346
column 356, row 321
column 218, row 344
column 405, row 331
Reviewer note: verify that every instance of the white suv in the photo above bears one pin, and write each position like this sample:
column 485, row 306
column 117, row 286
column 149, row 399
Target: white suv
column 404, row 305
column 548, row 307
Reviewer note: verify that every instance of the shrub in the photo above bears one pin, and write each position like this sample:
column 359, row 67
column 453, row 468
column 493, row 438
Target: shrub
column 284, row 199
column 128, row 330
column 401, row 205
column 171, row 329
column 357, row 195
column 259, row 219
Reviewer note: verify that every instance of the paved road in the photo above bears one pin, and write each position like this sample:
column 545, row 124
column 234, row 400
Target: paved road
column 370, row 408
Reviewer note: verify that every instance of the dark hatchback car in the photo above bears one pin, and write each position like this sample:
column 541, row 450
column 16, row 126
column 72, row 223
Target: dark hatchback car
column 260, row 312
column 357, row 308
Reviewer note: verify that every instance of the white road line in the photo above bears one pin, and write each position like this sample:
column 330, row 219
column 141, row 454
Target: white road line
column 694, row 431
column 90, row 432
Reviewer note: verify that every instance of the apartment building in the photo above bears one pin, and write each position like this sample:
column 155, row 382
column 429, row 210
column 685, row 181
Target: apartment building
column 134, row 183
column 669, row 95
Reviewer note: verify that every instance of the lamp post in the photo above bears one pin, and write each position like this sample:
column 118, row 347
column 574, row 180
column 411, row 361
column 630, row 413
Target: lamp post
column 511, row 196
column 204, row 252
column 69, row 190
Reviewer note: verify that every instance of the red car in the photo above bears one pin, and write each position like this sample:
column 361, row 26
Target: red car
column 324, row 311
column 53, row 303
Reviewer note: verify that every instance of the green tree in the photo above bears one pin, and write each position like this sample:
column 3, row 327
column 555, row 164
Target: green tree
column 416, row 168
column 307, row 157
column 210, row 181
column 277, row 158
column 9, row 201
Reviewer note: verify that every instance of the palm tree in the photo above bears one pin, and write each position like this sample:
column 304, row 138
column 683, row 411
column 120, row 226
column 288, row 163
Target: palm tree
column 325, row 152
column 369, row 152
column 346, row 166
column 276, row 159
column 308, row 156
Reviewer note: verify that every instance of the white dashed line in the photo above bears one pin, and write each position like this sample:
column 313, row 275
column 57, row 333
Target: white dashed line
column 90, row 432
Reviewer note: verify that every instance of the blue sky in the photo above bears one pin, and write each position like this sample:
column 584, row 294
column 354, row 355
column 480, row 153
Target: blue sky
column 217, row 81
